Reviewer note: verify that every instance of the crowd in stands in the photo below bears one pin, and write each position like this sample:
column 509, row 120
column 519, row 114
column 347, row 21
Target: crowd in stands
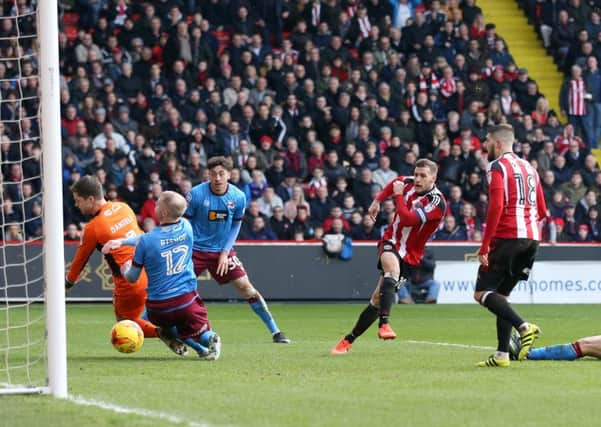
column 318, row 102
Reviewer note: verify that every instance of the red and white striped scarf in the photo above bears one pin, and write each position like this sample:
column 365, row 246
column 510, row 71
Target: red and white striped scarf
column 424, row 85
column 364, row 26
column 315, row 14
column 448, row 87
column 351, row 9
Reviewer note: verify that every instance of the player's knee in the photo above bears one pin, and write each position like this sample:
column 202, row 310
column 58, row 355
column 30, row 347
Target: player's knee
column 478, row 297
column 375, row 301
column 248, row 291
column 391, row 280
column 246, row 288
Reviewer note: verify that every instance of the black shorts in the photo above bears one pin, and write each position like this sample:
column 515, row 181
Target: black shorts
column 509, row 261
column 388, row 246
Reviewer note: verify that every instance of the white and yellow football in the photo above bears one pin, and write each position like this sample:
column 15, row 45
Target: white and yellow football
column 127, row 336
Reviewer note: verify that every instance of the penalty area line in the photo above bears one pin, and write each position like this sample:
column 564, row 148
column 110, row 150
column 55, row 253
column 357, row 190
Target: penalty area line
column 159, row 415
column 449, row 344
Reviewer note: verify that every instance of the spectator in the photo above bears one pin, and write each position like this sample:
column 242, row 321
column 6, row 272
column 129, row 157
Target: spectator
column 302, row 224
column 561, row 171
column 383, row 175
column 281, row 225
column 335, row 214
column 584, row 205
column 574, row 190
column 148, row 207
column 258, row 231
column 296, row 201
column 72, row 233
column 321, row 205
column 366, row 230
column 295, row 160
column 258, row 184
column 269, row 202
column 583, row 234
column 450, row 230
column 422, row 288
column 573, row 101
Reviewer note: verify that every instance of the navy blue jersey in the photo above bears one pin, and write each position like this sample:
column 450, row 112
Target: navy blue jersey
column 212, row 215
column 166, row 254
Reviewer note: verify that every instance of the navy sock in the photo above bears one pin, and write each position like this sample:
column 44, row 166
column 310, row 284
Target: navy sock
column 503, row 334
column 498, row 305
column 387, row 296
column 257, row 303
column 367, row 317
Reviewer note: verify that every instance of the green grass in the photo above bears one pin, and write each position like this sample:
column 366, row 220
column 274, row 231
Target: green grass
column 258, row 383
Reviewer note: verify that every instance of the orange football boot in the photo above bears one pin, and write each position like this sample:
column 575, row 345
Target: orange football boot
column 342, row 347
column 385, row 332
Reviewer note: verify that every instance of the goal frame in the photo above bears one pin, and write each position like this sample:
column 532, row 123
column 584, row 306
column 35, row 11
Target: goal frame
column 54, row 256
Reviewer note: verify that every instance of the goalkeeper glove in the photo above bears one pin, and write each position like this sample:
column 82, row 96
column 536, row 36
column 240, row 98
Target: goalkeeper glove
column 68, row 285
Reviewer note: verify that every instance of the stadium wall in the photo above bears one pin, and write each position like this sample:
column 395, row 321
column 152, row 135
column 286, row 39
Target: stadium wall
column 301, row 271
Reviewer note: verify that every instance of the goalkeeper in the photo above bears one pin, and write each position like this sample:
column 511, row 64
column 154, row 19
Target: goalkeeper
column 166, row 255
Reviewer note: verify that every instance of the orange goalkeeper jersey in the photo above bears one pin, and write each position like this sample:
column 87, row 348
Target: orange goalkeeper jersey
column 114, row 220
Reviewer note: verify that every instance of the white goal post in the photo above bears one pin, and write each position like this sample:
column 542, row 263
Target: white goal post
column 34, row 354
column 54, row 260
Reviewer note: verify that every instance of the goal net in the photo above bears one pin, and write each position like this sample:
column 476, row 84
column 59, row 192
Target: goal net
column 30, row 202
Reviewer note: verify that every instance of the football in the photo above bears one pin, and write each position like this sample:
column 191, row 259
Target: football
column 127, row 336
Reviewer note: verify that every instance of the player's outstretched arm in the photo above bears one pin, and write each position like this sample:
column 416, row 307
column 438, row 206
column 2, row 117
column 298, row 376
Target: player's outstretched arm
column 117, row 243
column 130, row 272
column 84, row 251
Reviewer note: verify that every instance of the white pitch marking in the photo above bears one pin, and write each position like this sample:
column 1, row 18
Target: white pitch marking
column 174, row 419
column 450, row 344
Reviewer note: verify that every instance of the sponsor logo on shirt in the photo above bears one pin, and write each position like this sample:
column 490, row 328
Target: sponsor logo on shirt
column 218, row 215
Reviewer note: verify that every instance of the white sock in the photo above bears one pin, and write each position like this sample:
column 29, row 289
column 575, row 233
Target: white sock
column 500, row 355
column 524, row 326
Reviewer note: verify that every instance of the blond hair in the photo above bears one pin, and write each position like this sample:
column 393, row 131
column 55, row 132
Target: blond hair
column 427, row 163
column 173, row 204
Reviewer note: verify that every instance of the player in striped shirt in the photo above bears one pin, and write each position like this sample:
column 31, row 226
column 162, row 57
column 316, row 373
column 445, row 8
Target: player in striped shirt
column 420, row 207
column 510, row 242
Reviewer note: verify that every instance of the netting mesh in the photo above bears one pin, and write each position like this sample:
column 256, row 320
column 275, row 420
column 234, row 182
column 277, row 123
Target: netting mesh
column 22, row 320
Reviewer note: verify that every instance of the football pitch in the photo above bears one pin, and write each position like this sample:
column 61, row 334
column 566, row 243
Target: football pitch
column 426, row 377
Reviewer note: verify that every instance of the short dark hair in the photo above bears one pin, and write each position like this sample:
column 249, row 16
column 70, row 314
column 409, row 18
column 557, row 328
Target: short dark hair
column 222, row 161
column 87, row 186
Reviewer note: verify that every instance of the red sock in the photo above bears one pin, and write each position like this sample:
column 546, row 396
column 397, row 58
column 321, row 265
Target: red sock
column 577, row 349
column 150, row 331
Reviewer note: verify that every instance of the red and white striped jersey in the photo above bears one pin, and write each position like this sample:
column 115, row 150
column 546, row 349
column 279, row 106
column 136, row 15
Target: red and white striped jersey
column 516, row 201
column 417, row 217
column 576, row 101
